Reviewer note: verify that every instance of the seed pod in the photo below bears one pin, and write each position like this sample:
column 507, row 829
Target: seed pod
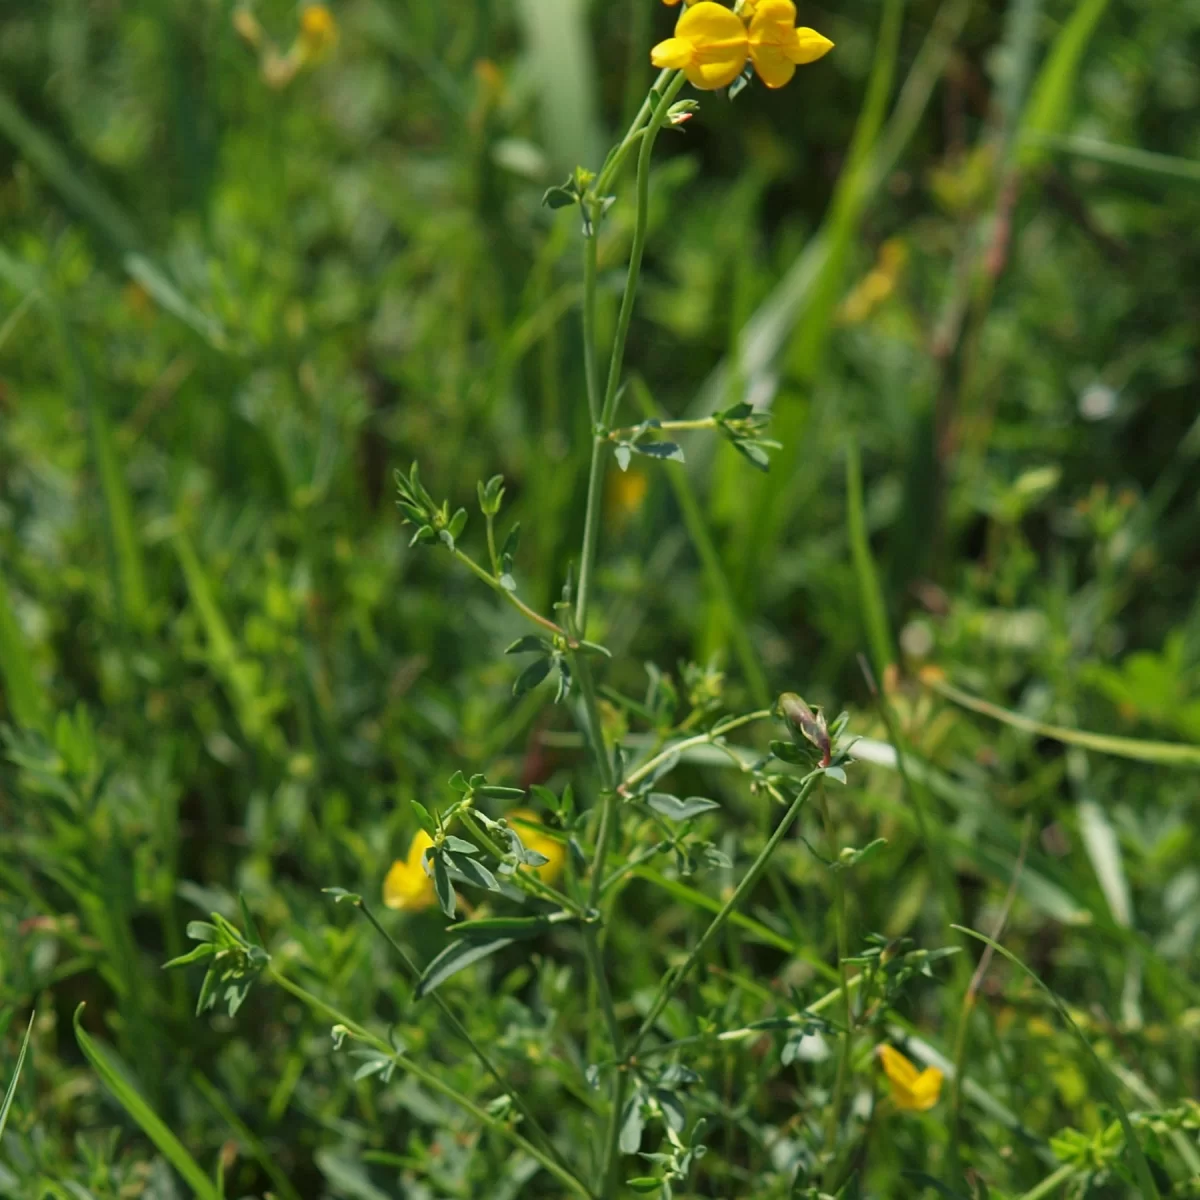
column 811, row 725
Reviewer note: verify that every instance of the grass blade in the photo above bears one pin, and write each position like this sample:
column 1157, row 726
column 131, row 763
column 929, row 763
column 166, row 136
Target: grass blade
column 874, row 611
column 1050, row 103
column 26, row 701
column 1128, row 158
column 16, row 1075
column 148, row 1120
column 1141, row 1166
column 1161, row 753
column 246, row 1136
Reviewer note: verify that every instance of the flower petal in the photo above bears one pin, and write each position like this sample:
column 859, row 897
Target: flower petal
column 719, row 45
column 808, row 46
column 675, row 53
column 896, row 1067
column 774, row 66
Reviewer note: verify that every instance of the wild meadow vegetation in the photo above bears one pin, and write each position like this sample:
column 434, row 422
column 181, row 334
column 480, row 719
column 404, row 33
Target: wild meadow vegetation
column 753, row 752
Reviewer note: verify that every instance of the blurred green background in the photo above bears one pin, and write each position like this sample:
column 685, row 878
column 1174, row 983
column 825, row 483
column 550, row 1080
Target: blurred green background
column 235, row 297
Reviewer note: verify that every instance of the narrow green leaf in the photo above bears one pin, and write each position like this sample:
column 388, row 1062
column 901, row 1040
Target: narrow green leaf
column 442, row 885
column 11, row 1090
column 1104, row 1077
column 456, row 957
column 134, row 1104
column 1163, row 753
column 1050, row 101
column 513, row 928
column 424, row 818
column 26, row 701
column 531, row 676
column 870, row 596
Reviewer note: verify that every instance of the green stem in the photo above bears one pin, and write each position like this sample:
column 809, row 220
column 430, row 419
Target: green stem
column 617, row 435
column 638, row 247
column 591, row 522
column 703, row 739
column 591, row 373
column 462, row 1032
column 673, row 979
column 591, row 940
column 750, row 1031
column 1050, row 1184
column 839, row 916
column 494, row 583
column 432, row 1080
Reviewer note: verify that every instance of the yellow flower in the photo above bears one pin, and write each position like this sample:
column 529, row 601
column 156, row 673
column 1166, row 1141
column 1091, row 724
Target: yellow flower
column 777, row 47
column 626, row 493
column 554, row 851
column 407, row 886
column 912, row 1090
column 318, row 32
column 710, row 46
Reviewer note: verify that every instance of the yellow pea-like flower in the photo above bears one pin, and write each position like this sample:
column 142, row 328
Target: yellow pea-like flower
column 710, row 46
column 407, row 887
column 777, row 47
column 912, row 1090
column 554, row 851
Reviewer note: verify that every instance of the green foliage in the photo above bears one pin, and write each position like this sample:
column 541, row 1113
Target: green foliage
column 900, row 362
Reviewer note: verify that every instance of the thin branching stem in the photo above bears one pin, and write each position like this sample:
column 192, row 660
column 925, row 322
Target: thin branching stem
column 433, row 1080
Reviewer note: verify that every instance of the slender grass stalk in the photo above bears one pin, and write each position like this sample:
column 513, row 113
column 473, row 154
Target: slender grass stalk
column 464, row 1034
column 674, row 979
column 1050, row 1184
column 1141, row 1167
column 833, row 1115
column 591, row 523
column 432, row 1080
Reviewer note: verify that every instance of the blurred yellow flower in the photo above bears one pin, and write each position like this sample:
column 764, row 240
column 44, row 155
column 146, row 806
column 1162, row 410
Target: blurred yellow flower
column 877, row 285
column 710, row 46
column 407, row 886
column 626, row 493
column 912, row 1090
column 318, row 32
column 777, row 47
column 525, row 822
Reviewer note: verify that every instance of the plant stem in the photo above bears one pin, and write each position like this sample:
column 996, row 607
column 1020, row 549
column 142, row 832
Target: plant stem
column 590, row 371
column 616, row 435
column 839, row 916
column 461, row 1030
column 494, row 583
column 591, row 940
column 703, row 739
column 607, row 411
column 673, row 979
column 433, row 1081
column 1050, row 1184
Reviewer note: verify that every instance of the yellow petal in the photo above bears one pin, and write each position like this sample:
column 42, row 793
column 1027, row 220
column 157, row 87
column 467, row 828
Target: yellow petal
column 718, row 45
column 808, row 46
column 675, row 53
column 775, row 68
column 416, row 850
column 896, row 1067
column 927, row 1089
column 912, row 1091
column 777, row 46
column 408, row 889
